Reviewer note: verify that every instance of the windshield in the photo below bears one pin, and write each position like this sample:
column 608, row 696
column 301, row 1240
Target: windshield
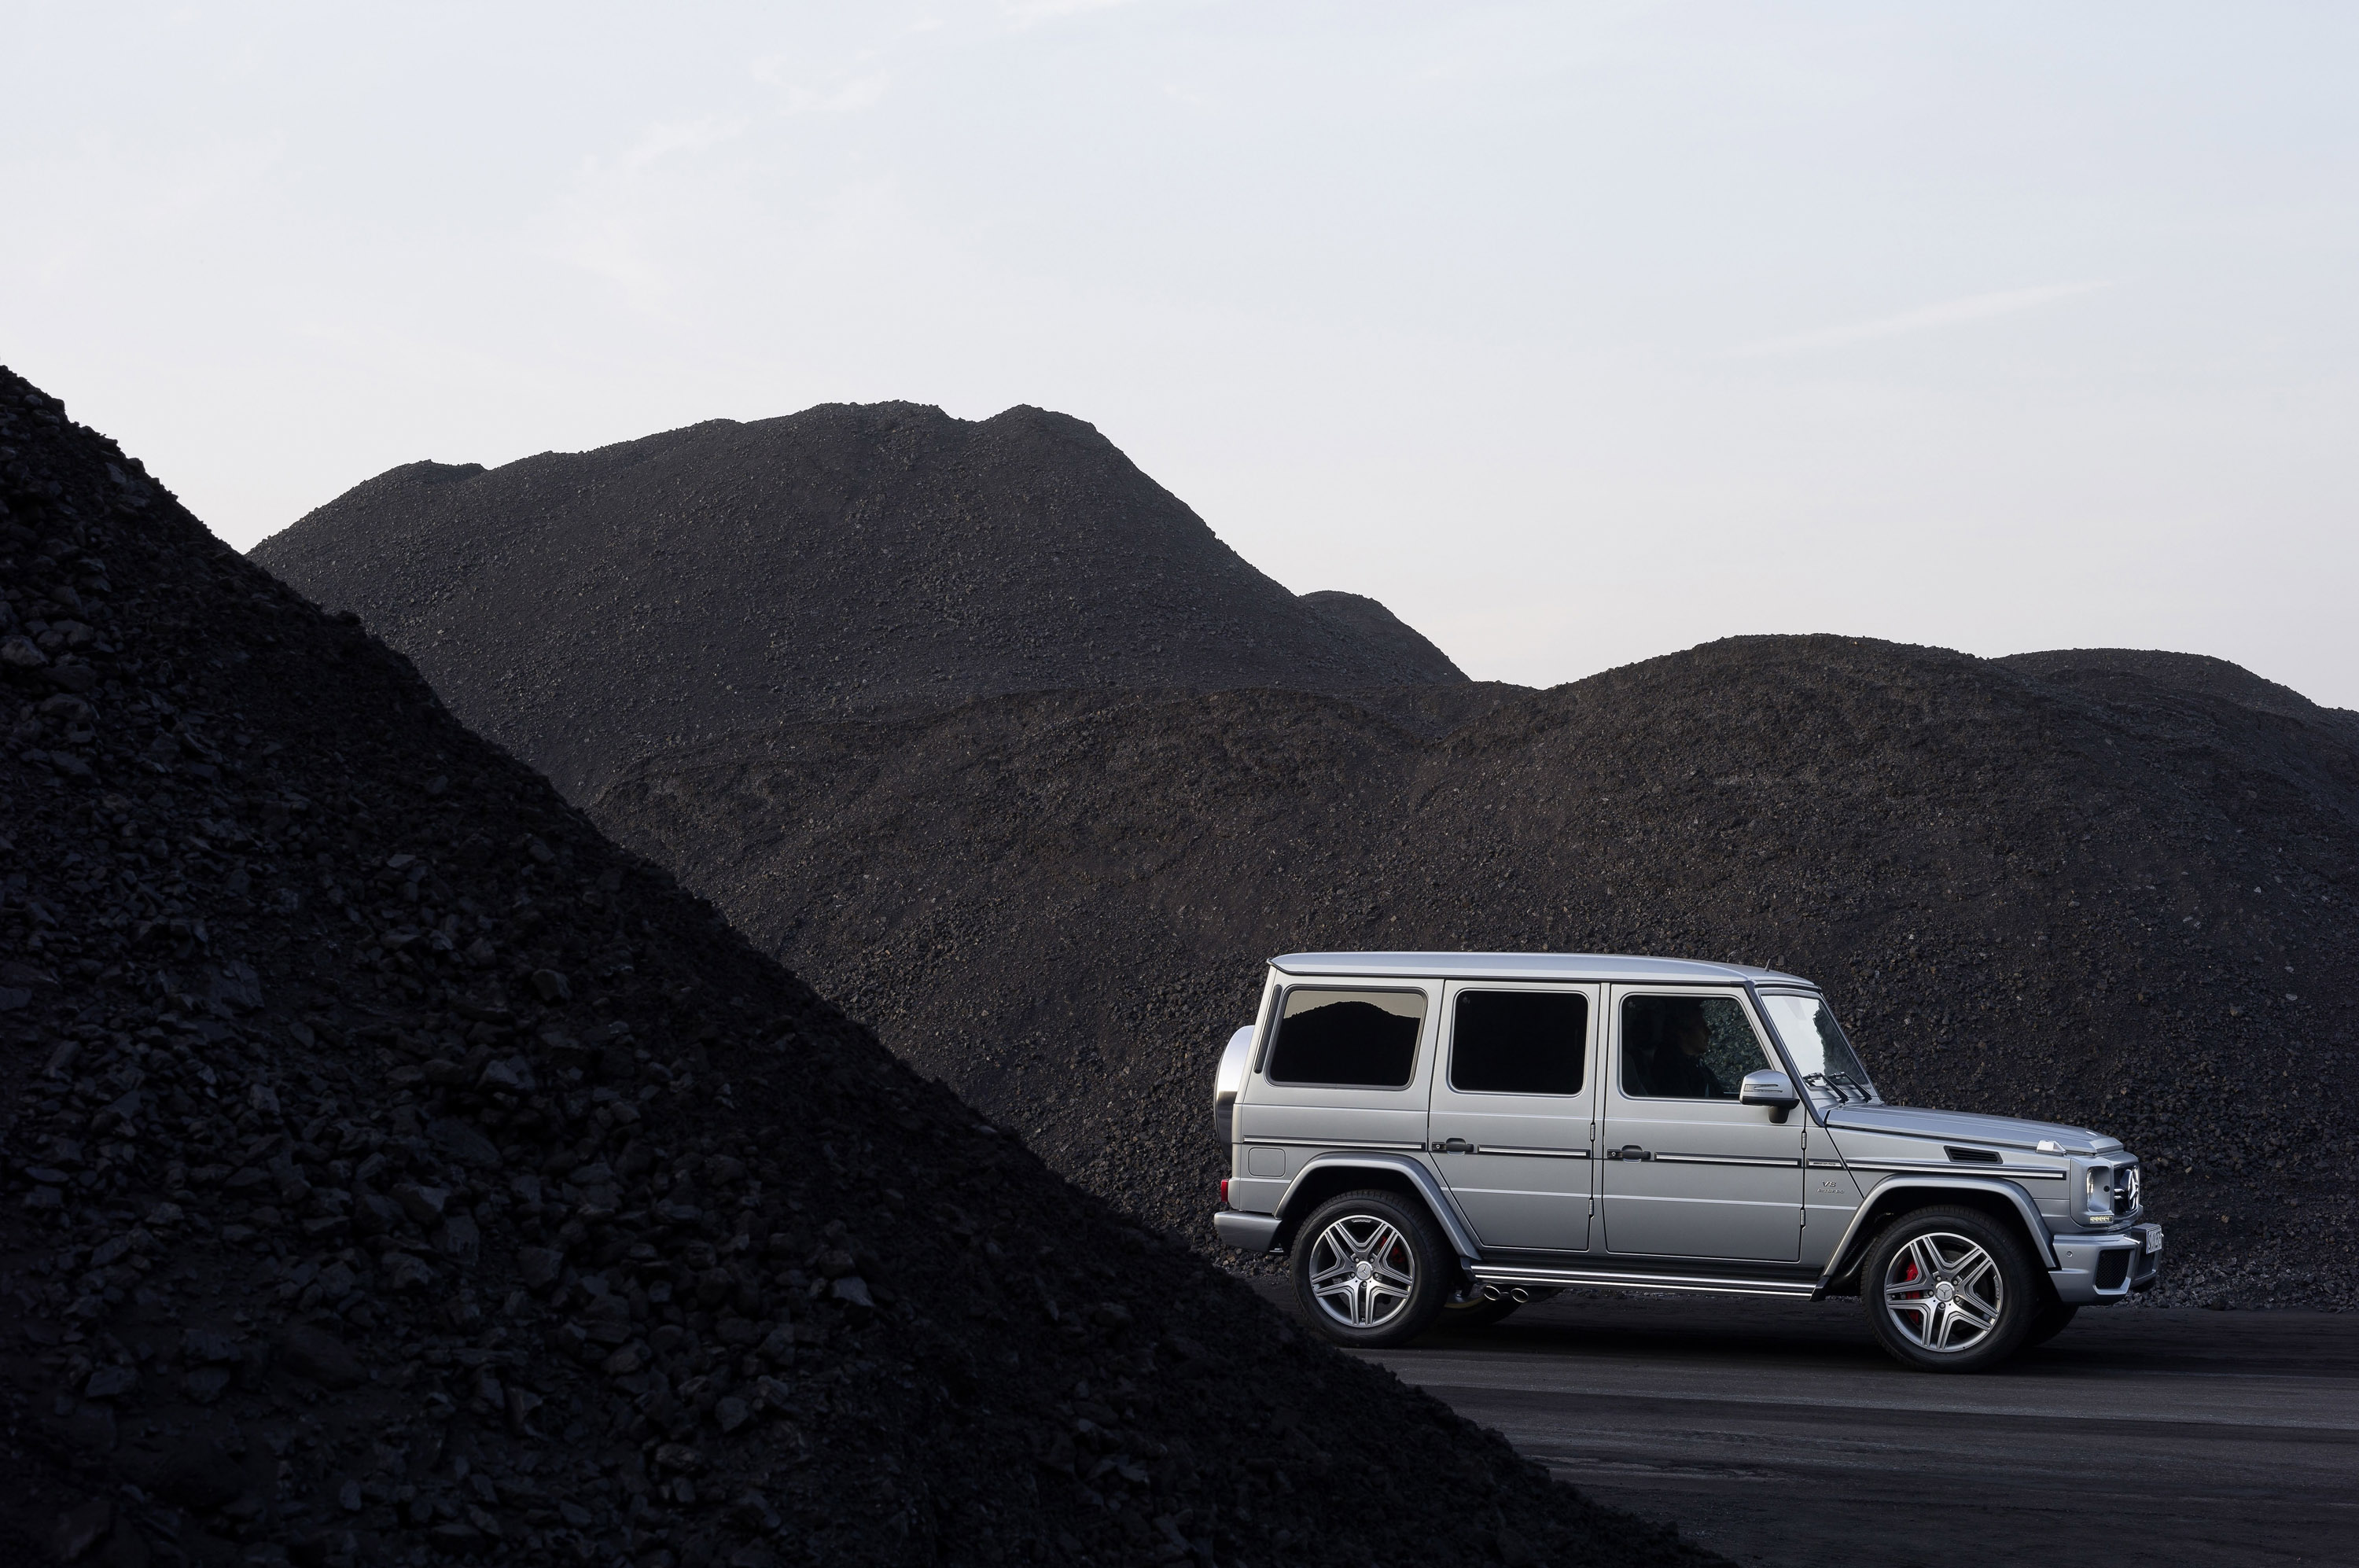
column 1821, row 1055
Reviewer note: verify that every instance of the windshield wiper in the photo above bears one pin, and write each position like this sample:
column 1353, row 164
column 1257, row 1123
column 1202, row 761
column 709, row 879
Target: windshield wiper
column 1831, row 1083
column 1866, row 1090
column 1841, row 1085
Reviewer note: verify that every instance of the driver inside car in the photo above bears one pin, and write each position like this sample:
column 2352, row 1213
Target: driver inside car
column 1681, row 1072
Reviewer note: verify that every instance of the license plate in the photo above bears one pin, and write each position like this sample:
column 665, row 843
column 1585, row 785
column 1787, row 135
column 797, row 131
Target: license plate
column 2154, row 1238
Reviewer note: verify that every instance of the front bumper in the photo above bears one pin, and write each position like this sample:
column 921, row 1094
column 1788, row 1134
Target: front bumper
column 2094, row 1269
column 1246, row 1233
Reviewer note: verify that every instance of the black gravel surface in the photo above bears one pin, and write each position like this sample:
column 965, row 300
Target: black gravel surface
column 392, row 1170
column 582, row 607
column 2110, row 889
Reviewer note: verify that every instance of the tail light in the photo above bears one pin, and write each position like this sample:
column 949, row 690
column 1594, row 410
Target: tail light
column 1225, row 1192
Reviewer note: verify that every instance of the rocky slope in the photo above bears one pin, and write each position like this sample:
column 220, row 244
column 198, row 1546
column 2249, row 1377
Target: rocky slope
column 2112, row 889
column 582, row 607
column 395, row 1170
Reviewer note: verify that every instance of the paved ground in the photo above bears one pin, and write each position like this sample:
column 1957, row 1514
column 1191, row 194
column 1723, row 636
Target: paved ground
column 1777, row 1433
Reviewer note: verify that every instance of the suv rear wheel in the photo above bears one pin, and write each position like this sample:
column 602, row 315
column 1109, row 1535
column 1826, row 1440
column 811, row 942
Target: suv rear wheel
column 1370, row 1271
column 1949, row 1289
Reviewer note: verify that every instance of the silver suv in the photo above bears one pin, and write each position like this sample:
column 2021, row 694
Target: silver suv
column 1444, row 1136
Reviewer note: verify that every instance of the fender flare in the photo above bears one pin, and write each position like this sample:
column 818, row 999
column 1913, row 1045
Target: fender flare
column 2035, row 1229
column 1445, row 1213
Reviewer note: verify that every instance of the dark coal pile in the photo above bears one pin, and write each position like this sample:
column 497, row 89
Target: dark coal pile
column 2116, row 890
column 396, row 1171
column 583, row 608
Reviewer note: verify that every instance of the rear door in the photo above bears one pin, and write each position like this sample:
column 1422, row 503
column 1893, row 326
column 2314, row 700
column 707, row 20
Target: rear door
column 1514, row 1119
column 1685, row 1171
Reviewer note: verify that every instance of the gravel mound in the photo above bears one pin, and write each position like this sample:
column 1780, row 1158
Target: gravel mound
column 395, row 1170
column 582, row 607
column 2146, row 677
column 1414, row 660
column 2110, row 888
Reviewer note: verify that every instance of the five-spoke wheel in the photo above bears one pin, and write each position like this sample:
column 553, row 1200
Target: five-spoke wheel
column 1944, row 1293
column 1370, row 1271
column 1362, row 1271
column 1948, row 1289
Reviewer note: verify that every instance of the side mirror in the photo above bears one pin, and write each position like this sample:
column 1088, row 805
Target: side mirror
column 1771, row 1088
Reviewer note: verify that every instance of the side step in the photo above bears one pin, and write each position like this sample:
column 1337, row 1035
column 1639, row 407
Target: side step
column 1624, row 1279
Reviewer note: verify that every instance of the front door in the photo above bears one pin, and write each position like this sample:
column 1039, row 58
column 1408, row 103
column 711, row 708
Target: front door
column 1513, row 1112
column 1687, row 1172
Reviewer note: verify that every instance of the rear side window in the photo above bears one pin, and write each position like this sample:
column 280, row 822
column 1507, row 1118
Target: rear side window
column 1518, row 1043
column 1361, row 1040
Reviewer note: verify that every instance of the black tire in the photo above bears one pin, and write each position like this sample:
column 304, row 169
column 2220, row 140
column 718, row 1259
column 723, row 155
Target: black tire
column 1978, row 1296
column 2054, row 1318
column 1371, row 1271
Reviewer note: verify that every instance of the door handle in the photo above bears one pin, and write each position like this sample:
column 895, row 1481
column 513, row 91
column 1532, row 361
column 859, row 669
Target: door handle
column 1628, row 1151
column 1453, row 1146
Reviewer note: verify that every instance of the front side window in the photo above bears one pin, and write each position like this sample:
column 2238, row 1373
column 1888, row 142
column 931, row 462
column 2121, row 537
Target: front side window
column 1518, row 1043
column 1359, row 1040
column 1687, row 1048
column 1821, row 1055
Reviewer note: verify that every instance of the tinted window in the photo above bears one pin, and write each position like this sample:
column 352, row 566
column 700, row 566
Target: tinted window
column 1687, row 1048
column 1361, row 1038
column 1518, row 1043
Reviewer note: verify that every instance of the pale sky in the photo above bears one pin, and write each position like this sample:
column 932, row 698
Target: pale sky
column 1576, row 333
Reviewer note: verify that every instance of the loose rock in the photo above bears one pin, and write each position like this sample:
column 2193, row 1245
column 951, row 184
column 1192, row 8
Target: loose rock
column 221, row 1160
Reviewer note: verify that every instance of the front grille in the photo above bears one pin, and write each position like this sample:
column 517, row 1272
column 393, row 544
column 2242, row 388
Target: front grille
column 2126, row 1190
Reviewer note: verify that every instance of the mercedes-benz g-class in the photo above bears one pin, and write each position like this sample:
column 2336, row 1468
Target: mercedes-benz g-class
column 1444, row 1136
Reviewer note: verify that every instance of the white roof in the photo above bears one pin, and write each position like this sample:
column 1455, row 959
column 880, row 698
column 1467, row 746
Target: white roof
column 1528, row 966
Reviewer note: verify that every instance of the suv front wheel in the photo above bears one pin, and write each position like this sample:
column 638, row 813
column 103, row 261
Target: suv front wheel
column 1370, row 1271
column 1949, row 1289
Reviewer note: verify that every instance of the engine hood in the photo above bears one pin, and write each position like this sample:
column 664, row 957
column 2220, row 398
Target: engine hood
column 2002, row 1132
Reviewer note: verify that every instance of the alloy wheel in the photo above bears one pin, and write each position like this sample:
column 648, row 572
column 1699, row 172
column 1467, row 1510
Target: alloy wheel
column 1943, row 1292
column 1363, row 1272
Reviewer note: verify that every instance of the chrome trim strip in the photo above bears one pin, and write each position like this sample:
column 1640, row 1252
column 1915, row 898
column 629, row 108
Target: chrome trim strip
column 1496, row 1274
column 1727, row 1160
column 1913, row 1167
column 1829, row 1165
column 1532, row 1153
column 1331, row 1143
